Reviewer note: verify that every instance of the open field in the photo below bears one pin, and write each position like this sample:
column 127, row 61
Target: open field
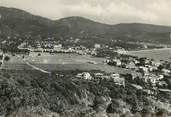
column 59, row 62
column 46, row 58
column 61, row 67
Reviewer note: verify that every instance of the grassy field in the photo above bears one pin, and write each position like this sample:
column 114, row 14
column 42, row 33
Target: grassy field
column 46, row 58
column 59, row 62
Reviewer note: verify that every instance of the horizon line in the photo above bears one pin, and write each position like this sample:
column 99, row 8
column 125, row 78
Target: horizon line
column 52, row 19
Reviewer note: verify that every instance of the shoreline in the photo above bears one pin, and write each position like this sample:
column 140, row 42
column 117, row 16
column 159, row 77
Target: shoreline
column 155, row 49
column 156, row 54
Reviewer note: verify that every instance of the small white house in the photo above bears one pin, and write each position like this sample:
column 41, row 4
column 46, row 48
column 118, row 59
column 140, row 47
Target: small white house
column 1, row 57
column 94, row 52
column 98, row 74
column 84, row 75
column 58, row 47
column 165, row 70
column 155, row 63
column 151, row 68
column 117, row 61
column 144, row 69
column 113, row 76
column 161, row 76
column 131, row 65
column 117, row 79
column 162, row 83
column 97, row 46
column 149, row 78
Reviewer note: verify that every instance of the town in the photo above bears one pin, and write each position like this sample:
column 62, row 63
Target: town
column 91, row 58
column 147, row 75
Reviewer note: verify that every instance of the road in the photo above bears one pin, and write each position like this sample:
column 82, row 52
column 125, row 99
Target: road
column 37, row 68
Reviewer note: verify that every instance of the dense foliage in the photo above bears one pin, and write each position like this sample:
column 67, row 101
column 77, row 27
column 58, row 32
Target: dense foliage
column 62, row 93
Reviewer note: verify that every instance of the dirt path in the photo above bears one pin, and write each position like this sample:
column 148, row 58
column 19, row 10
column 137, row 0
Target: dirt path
column 37, row 68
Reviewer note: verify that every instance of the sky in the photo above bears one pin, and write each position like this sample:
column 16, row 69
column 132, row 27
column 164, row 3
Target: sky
column 105, row 11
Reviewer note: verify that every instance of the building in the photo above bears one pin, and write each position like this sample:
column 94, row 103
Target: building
column 97, row 46
column 143, row 69
column 131, row 65
column 106, row 77
column 114, row 76
column 155, row 63
column 121, row 51
column 117, row 79
column 149, row 92
column 1, row 57
column 84, row 75
column 152, row 79
column 166, row 71
column 162, row 84
column 117, row 62
column 94, row 52
column 98, row 74
column 151, row 68
column 57, row 47
column 161, row 77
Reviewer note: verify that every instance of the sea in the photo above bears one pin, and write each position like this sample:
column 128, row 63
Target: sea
column 156, row 54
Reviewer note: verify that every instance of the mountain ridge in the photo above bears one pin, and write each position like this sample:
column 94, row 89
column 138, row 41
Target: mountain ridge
column 15, row 21
column 139, row 23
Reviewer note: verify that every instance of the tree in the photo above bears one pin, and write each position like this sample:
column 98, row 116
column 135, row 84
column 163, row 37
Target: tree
column 160, row 67
column 7, row 58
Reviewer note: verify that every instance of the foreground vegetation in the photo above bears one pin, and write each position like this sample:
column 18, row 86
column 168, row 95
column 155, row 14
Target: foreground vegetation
column 32, row 93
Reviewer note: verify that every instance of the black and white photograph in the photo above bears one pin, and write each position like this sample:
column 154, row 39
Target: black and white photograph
column 85, row 58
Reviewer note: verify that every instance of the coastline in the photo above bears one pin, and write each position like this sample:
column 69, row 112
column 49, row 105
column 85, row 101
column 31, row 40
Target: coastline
column 145, row 50
column 157, row 54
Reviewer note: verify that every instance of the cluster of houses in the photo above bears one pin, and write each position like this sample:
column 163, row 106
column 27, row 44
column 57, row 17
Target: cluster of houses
column 41, row 47
column 151, row 71
column 114, row 77
column 154, row 81
column 46, row 46
column 55, row 46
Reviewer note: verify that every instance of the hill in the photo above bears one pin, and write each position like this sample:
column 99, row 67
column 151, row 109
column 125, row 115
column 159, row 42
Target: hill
column 15, row 21
column 27, row 26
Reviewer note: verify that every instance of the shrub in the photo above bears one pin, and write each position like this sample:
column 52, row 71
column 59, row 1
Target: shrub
column 7, row 58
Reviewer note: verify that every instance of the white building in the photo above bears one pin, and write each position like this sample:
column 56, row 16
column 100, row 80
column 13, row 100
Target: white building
column 57, row 47
column 84, row 75
column 113, row 76
column 117, row 61
column 94, row 52
column 155, row 63
column 2, row 56
column 98, row 74
column 165, row 70
column 153, row 79
column 131, row 65
column 121, row 51
column 144, row 69
column 117, row 79
column 151, row 68
column 162, row 83
column 97, row 46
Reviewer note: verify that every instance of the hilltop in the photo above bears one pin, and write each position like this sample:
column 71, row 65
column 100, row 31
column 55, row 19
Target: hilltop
column 25, row 25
